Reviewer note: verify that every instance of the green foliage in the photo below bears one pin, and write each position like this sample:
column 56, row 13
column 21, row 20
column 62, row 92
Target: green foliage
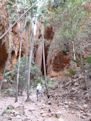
column 10, row 91
column 13, row 7
column 72, row 23
column 88, row 59
column 71, row 16
column 11, row 10
column 8, row 75
column 51, row 83
column 23, row 74
column 70, row 72
column 35, row 72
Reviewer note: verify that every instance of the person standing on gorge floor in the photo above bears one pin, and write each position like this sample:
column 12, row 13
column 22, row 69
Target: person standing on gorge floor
column 39, row 91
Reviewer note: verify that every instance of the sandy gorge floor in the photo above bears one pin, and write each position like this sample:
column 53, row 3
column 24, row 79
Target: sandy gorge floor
column 33, row 111
column 56, row 108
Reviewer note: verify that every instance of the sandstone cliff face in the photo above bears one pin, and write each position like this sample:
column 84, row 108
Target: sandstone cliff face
column 3, row 56
column 3, row 26
column 57, row 61
column 57, row 50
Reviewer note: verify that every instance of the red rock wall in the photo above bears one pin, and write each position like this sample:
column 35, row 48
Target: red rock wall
column 57, row 61
column 3, row 27
column 3, row 56
column 49, row 33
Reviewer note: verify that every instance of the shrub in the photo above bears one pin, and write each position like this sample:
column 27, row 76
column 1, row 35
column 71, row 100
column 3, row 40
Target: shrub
column 11, row 76
column 70, row 72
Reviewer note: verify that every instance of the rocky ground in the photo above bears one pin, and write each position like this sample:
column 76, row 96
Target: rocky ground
column 67, row 102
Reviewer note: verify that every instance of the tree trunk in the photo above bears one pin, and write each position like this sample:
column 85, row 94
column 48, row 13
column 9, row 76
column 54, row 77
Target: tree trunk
column 74, row 52
column 29, row 69
column 17, row 83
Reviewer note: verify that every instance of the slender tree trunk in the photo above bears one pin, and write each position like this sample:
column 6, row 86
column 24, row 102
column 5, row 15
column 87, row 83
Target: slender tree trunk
column 74, row 52
column 29, row 69
column 82, row 65
column 82, row 62
column 18, row 71
column 86, row 82
column 1, row 87
column 44, row 63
